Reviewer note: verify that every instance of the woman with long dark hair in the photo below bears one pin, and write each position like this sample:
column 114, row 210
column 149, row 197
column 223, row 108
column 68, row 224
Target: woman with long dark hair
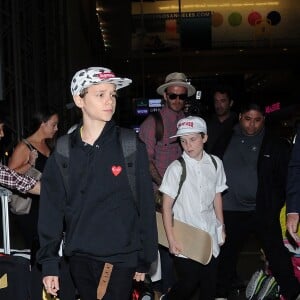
column 42, row 130
column 33, row 151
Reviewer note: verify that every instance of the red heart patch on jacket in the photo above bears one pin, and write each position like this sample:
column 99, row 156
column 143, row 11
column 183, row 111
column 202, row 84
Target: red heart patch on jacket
column 116, row 170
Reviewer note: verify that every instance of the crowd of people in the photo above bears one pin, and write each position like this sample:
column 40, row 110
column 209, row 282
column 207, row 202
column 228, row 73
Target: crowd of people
column 100, row 189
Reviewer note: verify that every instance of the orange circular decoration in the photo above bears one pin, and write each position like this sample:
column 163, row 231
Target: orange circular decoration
column 217, row 19
column 254, row 18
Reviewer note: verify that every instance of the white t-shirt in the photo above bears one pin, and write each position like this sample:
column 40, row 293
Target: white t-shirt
column 195, row 204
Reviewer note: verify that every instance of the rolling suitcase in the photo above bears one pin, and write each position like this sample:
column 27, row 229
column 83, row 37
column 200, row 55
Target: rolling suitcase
column 14, row 265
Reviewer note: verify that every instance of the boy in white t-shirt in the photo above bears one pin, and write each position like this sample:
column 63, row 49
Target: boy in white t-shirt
column 199, row 204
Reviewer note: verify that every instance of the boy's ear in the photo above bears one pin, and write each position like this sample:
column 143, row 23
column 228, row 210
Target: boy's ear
column 205, row 138
column 78, row 101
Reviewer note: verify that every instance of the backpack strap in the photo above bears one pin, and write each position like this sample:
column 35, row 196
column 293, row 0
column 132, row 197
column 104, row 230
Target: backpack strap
column 62, row 155
column 182, row 177
column 128, row 142
column 159, row 126
column 214, row 161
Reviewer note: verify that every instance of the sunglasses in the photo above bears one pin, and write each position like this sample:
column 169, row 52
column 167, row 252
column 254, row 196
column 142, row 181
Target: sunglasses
column 175, row 96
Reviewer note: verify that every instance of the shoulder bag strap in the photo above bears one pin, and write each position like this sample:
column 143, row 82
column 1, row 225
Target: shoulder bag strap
column 28, row 144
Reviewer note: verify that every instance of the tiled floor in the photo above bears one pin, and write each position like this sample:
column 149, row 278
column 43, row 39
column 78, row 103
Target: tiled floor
column 237, row 294
column 249, row 262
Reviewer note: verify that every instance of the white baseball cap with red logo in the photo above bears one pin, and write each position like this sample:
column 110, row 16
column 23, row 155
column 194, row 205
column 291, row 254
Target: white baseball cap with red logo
column 190, row 125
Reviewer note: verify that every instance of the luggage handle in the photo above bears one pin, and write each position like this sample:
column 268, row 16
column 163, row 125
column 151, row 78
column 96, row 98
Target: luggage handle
column 4, row 193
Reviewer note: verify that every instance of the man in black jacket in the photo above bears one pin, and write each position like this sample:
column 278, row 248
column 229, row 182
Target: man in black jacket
column 255, row 164
column 108, row 239
column 219, row 127
column 293, row 190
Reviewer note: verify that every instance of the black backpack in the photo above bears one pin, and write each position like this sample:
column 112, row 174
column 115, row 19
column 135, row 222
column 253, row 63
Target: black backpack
column 128, row 141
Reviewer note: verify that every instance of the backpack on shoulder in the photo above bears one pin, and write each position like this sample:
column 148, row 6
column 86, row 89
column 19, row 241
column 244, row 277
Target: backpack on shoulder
column 128, row 141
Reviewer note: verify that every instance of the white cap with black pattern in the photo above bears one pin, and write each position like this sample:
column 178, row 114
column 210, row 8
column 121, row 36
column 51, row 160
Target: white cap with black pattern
column 95, row 75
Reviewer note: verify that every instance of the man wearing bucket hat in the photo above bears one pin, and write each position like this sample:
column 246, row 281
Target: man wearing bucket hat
column 175, row 91
column 199, row 204
column 155, row 132
column 110, row 237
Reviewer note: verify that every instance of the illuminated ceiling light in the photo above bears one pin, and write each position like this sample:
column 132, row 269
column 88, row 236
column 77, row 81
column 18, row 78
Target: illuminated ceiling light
column 244, row 4
column 99, row 9
column 214, row 5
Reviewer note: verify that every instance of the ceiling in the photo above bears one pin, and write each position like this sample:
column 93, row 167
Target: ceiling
column 266, row 71
column 115, row 24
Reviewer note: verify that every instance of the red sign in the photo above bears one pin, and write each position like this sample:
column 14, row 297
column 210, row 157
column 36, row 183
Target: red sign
column 273, row 107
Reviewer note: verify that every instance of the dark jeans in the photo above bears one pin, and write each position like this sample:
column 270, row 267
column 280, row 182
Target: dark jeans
column 87, row 272
column 239, row 225
column 167, row 270
column 191, row 277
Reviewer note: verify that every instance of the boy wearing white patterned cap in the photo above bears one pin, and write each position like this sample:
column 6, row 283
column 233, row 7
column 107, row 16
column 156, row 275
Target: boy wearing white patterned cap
column 104, row 228
column 199, row 204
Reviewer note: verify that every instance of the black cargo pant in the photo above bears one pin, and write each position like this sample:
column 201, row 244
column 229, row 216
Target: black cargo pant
column 86, row 274
column 192, row 277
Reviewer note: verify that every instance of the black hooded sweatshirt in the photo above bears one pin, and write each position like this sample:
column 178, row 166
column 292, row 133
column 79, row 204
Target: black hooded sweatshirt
column 101, row 218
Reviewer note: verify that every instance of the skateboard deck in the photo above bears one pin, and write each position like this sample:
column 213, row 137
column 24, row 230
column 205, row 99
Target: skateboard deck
column 197, row 243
